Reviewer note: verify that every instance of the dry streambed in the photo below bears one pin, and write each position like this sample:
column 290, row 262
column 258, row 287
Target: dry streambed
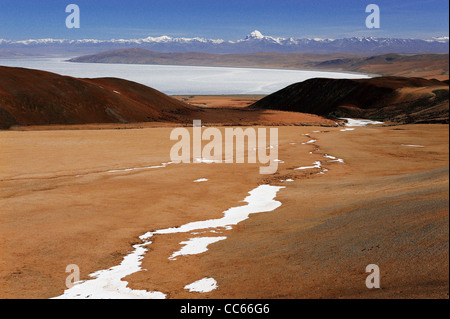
column 110, row 283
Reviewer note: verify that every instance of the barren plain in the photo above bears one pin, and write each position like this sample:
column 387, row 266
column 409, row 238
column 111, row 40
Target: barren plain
column 86, row 196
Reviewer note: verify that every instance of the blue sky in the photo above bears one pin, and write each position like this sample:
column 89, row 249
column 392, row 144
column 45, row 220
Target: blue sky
column 224, row 19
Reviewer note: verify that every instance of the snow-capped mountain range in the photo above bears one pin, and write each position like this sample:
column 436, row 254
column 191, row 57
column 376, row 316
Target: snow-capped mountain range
column 254, row 42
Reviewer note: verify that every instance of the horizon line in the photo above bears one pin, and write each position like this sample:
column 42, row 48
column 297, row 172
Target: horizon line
column 230, row 41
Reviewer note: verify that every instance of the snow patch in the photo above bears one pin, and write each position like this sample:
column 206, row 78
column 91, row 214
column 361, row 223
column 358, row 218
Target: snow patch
column 360, row 122
column 317, row 164
column 201, row 180
column 411, row 145
column 195, row 246
column 203, row 285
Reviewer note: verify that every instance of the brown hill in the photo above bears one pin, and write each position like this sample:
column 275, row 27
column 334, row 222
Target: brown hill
column 393, row 99
column 423, row 65
column 261, row 59
column 31, row 97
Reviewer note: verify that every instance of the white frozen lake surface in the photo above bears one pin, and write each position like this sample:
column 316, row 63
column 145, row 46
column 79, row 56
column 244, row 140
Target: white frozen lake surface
column 181, row 80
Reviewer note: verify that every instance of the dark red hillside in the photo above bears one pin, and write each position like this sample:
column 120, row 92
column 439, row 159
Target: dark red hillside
column 394, row 99
column 31, row 97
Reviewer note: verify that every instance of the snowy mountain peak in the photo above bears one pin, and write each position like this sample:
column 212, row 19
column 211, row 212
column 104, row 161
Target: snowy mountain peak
column 255, row 35
column 441, row 39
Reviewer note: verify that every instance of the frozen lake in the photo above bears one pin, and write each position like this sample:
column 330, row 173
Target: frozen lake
column 181, row 80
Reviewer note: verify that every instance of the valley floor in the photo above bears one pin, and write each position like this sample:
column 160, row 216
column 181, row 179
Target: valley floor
column 85, row 197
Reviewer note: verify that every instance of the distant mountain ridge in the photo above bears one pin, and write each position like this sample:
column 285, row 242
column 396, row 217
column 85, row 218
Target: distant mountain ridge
column 254, row 42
